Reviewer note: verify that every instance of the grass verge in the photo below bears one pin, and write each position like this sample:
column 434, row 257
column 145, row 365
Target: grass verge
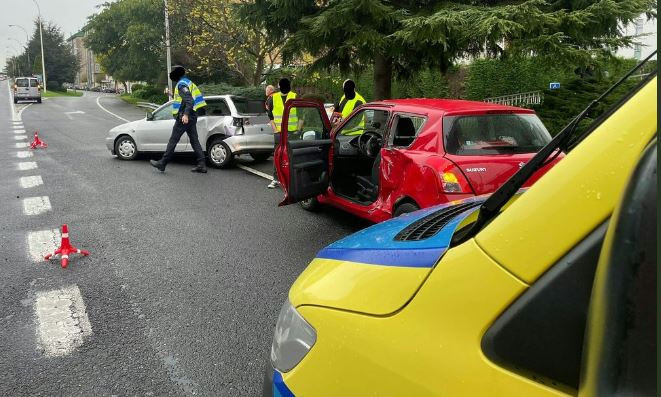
column 51, row 94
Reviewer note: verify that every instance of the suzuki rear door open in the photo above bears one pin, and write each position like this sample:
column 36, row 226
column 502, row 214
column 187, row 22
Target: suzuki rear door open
column 302, row 158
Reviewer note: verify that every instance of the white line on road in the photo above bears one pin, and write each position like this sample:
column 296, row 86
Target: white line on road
column 27, row 165
column 254, row 171
column 20, row 137
column 43, row 242
column 68, row 114
column 11, row 103
column 19, row 131
column 21, row 145
column 20, row 112
column 16, row 126
column 36, row 205
column 108, row 111
column 31, row 181
column 24, row 154
column 62, row 321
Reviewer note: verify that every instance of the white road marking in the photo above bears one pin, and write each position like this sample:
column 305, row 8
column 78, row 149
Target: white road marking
column 20, row 112
column 36, row 205
column 16, row 126
column 68, row 114
column 254, row 171
column 108, row 111
column 20, row 145
column 62, row 321
column 20, row 137
column 31, row 181
column 27, row 165
column 23, row 154
column 43, row 242
column 11, row 102
column 19, row 131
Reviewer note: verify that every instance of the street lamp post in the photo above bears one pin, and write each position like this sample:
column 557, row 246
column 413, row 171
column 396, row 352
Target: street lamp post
column 167, row 48
column 27, row 45
column 41, row 39
column 19, row 46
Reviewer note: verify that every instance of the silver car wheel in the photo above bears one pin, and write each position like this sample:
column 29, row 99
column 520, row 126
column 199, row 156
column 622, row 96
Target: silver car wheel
column 126, row 148
column 218, row 153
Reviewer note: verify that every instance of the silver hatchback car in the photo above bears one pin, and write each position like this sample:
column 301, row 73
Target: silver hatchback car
column 229, row 126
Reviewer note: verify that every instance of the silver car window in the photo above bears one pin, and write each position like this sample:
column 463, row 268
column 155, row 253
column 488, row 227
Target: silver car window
column 164, row 113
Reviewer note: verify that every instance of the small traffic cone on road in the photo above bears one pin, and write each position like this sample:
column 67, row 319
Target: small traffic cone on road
column 66, row 248
column 36, row 142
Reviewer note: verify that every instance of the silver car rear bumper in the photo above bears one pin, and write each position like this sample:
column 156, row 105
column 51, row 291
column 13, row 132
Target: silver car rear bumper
column 250, row 143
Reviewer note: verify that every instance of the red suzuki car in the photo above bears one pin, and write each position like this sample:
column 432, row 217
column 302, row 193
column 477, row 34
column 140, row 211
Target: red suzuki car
column 396, row 156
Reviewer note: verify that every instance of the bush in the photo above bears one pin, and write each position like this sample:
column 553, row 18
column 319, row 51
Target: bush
column 137, row 86
column 54, row 85
column 226, row 89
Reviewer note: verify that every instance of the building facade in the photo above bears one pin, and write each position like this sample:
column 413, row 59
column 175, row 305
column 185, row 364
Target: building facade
column 646, row 41
column 89, row 74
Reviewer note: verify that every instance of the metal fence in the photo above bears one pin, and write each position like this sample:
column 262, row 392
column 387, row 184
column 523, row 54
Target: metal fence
column 522, row 99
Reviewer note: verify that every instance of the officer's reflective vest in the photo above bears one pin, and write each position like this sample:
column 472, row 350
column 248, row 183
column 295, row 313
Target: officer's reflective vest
column 349, row 106
column 279, row 109
column 198, row 99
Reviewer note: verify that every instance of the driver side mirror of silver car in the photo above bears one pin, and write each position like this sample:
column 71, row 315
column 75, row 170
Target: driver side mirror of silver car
column 150, row 116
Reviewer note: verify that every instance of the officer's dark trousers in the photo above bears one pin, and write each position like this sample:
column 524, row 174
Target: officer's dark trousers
column 177, row 131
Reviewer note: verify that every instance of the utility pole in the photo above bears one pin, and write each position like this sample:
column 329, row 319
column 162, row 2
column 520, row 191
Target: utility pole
column 167, row 48
column 41, row 39
column 27, row 46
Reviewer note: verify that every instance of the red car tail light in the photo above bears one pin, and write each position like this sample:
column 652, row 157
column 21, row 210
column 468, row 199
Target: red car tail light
column 453, row 181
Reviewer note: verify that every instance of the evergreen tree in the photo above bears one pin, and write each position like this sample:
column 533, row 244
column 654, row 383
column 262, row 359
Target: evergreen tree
column 400, row 37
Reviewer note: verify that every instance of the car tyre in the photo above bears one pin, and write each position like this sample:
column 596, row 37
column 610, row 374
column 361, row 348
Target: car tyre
column 219, row 154
column 405, row 209
column 259, row 157
column 311, row 204
column 15, row 100
column 38, row 100
column 125, row 148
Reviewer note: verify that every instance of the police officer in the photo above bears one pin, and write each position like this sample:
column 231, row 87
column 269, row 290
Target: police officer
column 275, row 105
column 350, row 100
column 188, row 101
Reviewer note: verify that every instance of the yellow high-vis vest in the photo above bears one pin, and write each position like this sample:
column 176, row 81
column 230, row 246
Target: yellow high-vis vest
column 350, row 104
column 279, row 109
column 198, row 99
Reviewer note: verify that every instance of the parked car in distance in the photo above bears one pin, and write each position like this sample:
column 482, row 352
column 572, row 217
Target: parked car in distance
column 546, row 293
column 228, row 126
column 397, row 156
column 27, row 89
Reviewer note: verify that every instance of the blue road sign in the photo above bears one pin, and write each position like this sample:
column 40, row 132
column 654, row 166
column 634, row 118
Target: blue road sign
column 554, row 86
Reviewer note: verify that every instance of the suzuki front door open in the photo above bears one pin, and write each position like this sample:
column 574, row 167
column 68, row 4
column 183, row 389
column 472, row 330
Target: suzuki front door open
column 302, row 158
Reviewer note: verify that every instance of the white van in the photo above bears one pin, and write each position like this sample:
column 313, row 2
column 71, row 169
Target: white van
column 27, row 88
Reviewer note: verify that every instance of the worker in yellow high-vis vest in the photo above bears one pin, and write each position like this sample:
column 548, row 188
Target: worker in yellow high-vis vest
column 275, row 106
column 348, row 102
column 188, row 101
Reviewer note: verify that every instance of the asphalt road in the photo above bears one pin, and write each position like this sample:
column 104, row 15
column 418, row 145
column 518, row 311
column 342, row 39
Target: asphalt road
column 186, row 275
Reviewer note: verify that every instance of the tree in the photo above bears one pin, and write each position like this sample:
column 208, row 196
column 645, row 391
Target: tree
column 400, row 37
column 128, row 36
column 221, row 42
column 61, row 63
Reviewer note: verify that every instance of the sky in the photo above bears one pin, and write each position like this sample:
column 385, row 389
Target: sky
column 69, row 15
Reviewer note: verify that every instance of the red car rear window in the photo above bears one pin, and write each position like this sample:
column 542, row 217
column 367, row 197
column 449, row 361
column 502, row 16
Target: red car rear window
column 494, row 134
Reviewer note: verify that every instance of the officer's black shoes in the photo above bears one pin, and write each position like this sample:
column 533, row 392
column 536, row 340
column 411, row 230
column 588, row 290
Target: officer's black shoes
column 200, row 168
column 158, row 165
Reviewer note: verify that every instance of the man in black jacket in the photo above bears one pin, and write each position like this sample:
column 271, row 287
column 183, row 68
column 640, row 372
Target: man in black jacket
column 188, row 100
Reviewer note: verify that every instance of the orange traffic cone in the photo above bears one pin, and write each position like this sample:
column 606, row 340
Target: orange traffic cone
column 66, row 248
column 36, row 142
